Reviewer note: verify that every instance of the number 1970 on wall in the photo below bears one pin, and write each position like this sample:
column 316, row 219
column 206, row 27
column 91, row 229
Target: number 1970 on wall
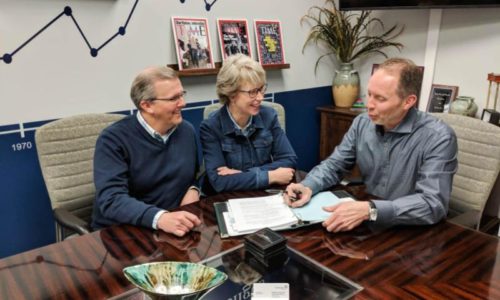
column 22, row 146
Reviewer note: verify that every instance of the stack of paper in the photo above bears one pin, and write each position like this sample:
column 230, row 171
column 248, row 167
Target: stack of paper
column 247, row 215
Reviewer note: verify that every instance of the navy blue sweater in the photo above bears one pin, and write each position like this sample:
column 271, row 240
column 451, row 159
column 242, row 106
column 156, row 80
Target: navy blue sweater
column 136, row 175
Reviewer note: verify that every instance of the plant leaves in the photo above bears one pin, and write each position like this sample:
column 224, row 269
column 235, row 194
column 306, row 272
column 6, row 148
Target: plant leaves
column 347, row 34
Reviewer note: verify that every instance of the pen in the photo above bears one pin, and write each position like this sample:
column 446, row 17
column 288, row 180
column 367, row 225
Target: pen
column 293, row 199
column 273, row 191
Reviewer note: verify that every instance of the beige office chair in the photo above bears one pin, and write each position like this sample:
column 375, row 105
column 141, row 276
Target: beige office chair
column 66, row 152
column 478, row 167
column 277, row 107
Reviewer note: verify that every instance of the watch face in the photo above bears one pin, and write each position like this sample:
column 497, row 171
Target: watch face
column 373, row 214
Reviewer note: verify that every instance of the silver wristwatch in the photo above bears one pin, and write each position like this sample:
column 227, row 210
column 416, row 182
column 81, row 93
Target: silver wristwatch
column 373, row 212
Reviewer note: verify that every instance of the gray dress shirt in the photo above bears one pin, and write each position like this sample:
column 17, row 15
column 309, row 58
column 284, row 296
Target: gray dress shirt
column 409, row 168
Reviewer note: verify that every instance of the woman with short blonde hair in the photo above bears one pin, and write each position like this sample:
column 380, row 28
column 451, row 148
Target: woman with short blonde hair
column 236, row 69
column 244, row 146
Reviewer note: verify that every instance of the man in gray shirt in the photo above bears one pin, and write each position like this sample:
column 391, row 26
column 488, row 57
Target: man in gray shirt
column 407, row 158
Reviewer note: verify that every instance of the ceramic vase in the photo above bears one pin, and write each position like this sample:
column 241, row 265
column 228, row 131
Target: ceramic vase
column 345, row 86
column 464, row 105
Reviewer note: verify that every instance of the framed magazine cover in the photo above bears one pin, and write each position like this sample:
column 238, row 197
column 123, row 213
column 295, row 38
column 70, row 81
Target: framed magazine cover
column 192, row 43
column 269, row 42
column 234, row 37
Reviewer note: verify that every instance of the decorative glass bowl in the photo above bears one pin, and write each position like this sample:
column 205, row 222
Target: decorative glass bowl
column 174, row 280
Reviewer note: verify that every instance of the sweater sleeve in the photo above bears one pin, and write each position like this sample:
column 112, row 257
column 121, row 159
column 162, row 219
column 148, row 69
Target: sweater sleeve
column 111, row 182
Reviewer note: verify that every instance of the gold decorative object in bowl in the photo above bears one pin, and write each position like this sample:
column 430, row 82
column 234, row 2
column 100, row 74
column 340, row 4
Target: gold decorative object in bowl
column 174, row 280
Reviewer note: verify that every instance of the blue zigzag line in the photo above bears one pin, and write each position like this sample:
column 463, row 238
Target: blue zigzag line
column 7, row 58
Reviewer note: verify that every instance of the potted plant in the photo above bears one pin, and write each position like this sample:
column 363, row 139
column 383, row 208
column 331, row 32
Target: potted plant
column 346, row 36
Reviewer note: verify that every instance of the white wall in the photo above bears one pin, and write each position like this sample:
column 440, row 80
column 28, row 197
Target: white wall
column 55, row 76
column 413, row 38
column 469, row 49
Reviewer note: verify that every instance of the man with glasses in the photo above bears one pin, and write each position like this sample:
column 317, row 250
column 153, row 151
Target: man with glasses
column 244, row 146
column 146, row 164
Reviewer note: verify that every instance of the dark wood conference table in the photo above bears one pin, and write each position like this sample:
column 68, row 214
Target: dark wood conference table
column 444, row 261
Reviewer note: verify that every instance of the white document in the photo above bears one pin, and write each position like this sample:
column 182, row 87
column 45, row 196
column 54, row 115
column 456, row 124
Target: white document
column 313, row 211
column 271, row 291
column 250, row 214
column 231, row 231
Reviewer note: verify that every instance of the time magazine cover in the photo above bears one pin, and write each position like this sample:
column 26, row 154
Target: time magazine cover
column 192, row 41
column 234, row 37
column 269, row 42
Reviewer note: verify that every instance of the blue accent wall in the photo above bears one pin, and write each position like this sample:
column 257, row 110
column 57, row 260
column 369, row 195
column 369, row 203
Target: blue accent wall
column 303, row 121
column 26, row 219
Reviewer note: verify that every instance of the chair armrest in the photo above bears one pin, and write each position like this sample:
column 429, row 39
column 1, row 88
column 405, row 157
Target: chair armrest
column 468, row 219
column 70, row 221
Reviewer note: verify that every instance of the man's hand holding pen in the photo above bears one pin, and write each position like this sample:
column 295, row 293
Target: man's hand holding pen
column 297, row 195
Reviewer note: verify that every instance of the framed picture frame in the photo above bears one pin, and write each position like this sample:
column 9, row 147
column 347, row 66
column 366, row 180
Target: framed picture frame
column 441, row 97
column 234, row 37
column 269, row 39
column 421, row 68
column 192, row 43
column 491, row 116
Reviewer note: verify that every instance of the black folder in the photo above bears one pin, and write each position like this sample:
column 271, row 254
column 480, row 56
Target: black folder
column 221, row 207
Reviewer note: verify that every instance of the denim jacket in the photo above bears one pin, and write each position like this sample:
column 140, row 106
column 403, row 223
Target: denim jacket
column 266, row 148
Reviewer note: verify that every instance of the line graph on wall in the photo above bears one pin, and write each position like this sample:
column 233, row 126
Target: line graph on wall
column 208, row 5
column 94, row 51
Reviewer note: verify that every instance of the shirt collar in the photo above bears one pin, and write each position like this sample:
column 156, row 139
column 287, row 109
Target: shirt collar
column 155, row 134
column 405, row 126
column 229, row 125
column 244, row 130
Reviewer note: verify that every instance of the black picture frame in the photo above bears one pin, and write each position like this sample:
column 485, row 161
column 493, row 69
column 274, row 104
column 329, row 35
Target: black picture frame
column 441, row 97
column 491, row 116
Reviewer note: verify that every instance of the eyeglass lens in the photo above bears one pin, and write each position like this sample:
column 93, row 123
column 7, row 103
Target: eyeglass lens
column 253, row 93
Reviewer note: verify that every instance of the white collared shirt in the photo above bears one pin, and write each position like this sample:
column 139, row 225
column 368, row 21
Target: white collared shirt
column 244, row 130
column 155, row 134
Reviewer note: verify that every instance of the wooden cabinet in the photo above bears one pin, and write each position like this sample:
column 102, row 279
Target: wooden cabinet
column 335, row 122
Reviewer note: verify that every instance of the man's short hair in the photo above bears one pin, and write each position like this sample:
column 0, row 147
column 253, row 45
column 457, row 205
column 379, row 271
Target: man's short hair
column 143, row 84
column 238, row 69
column 410, row 75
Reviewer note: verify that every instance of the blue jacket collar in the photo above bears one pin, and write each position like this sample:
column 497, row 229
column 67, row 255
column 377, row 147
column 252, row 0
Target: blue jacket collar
column 228, row 126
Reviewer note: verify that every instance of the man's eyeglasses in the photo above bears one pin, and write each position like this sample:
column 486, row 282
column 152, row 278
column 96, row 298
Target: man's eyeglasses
column 173, row 99
column 253, row 93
